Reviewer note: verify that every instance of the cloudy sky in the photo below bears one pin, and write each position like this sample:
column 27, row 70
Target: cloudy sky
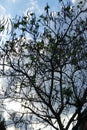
column 18, row 7
column 12, row 8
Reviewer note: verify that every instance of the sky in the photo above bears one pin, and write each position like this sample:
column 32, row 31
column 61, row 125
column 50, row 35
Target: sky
column 18, row 7
column 11, row 8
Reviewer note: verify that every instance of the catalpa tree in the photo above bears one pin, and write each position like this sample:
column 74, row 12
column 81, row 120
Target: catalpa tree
column 45, row 62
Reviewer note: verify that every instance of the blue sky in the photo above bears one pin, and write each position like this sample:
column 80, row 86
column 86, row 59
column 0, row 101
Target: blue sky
column 12, row 8
column 18, row 7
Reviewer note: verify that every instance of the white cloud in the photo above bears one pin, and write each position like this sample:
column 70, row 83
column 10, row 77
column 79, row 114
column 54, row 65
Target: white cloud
column 34, row 6
column 13, row 1
column 74, row 1
column 2, row 10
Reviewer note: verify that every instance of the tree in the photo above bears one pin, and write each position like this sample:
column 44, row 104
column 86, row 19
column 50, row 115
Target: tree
column 45, row 61
column 2, row 125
